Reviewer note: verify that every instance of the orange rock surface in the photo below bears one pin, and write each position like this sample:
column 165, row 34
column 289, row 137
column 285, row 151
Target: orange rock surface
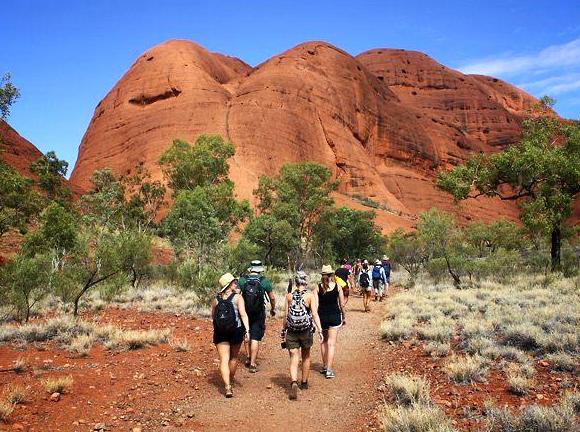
column 384, row 121
column 17, row 151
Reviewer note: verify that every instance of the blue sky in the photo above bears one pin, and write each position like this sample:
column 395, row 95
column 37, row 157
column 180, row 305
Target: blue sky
column 66, row 55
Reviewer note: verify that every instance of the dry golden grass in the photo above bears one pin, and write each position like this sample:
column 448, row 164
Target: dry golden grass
column 467, row 369
column 406, row 390
column 179, row 345
column 58, row 384
column 6, row 409
column 15, row 394
column 414, row 418
column 20, row 365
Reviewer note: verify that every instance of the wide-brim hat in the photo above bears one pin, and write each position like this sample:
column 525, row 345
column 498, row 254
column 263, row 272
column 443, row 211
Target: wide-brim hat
column 377, row 262
column 385, row 258
column 326, row 270
column 225, row 281
column 256, row 267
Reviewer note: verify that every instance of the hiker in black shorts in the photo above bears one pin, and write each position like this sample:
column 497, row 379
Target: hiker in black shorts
column 300, row 317
column 332, row 317
column 254, row 287
column 230, row 322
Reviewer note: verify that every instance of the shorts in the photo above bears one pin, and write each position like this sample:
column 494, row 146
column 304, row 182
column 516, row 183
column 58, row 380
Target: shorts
column 257, row 327
column 331, row 321
column 367, row 289
column 234, row 338
column 377, row 283
column 303, row 339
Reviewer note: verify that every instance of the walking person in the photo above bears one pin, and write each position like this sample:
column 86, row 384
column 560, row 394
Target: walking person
column 332, row 317
column 364, row 281
column 300, row 319
column 344, row 279
column 230, row 322
column 386, row 262
column 254, row 288
column 379, row 280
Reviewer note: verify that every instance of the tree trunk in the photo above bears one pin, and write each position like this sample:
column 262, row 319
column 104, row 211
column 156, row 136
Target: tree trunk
column 556, row 246
column 456, row 279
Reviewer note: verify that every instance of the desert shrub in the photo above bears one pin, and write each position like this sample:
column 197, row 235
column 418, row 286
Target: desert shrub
column 58, row 384
column 437, row 349
column 467, row 369
column 415, row 418
column 572, row 400
column 405, row 390
column 199, row 279
column 6, row 409
column 135, row 339
column 19, row 365
column 396, row 329
column 179, row 345
column 563, row 362
column 559, row 418
column 81, row 344
column 518, row 384
column 15, row 394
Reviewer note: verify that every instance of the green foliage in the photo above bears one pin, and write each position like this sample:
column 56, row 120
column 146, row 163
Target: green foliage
column 299, row 195
column 50, row 172
column 57, row 231
column 204, row 164
column 276, row 240
column 24, row 282
column 8, row 95
column 487, row 238
column 542, row 171
column 18, row 202
column 198, row 278
column 408, row 251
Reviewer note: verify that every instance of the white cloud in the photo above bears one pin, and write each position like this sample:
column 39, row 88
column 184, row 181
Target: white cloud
column 554, row 85
column 555, row 56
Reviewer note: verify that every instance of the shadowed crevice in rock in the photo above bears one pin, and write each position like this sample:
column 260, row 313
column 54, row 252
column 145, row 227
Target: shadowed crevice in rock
column 143, row 99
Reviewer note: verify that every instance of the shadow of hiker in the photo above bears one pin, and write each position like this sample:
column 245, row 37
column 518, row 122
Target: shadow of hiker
column 215, row 379
column 281, row 380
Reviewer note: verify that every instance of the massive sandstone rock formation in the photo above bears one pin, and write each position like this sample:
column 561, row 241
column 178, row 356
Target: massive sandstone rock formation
column 384, row 122
column 17, row 151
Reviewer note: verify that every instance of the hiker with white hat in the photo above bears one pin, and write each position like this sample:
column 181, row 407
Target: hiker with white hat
column 364, row 281
column 255, row 288
column 379, row 280
column 230, row 322
column 331, row 312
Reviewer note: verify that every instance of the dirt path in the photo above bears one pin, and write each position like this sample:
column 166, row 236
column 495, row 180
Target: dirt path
column 261, row 402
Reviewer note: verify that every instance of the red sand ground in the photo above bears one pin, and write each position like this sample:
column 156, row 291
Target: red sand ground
column 157, row 388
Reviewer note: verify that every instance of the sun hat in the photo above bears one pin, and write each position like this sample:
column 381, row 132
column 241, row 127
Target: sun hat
column 326, row 270
column 256, row 267
column 301, row 278
column 225, row 281
column 366, row 261
column 377, row 261
column 385, row 258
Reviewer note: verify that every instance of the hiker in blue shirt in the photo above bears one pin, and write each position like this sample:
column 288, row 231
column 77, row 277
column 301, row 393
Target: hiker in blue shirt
column 387, row 267
column 379, row 280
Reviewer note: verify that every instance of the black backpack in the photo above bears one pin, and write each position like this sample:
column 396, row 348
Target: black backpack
column 253, row 296
column 364, row 280
column 224, row 319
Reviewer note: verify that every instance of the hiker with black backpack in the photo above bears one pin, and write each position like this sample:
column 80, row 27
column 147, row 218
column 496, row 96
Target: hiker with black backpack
column 364, row 281
column 230, row 322
column 255, row 288
column 300, row 319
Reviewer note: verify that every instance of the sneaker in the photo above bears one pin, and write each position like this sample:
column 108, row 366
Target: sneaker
column 329, row 374
column 304, row 385
column 253, row 369
column 229, row 392
column 294, row 391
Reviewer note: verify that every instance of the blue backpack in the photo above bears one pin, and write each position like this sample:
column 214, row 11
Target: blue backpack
column 377, row 272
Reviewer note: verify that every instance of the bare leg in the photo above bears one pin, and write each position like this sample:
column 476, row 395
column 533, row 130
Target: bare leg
column 233, row 363
column 254, row 349
column 224, row 355
column 324, row 348
column 331, row 350
column 294, row 360
column 305, row 364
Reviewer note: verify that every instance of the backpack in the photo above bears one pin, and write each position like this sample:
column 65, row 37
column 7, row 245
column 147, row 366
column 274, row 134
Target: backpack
column 224, row 319
column 364, row 280
column 298, row 317
column 377, row 272
column 253, row 296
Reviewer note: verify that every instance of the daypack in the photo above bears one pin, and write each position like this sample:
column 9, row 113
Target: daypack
column 298, row 317
column 377, row 272
column 253, row 296
column 224, row 319
column 364, row 280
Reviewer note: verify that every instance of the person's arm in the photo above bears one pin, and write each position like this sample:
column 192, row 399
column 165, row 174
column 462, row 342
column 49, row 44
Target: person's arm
column 342, row 303
column 384, row 275
column 288, row 299
column 213, row 305
column 272, row 303
column 315, row 316
column 243, row 315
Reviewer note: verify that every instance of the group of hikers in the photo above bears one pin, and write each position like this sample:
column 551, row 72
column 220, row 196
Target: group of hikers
column 239, row 315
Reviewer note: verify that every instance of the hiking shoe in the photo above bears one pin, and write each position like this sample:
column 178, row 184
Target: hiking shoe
column 329, row 374
column 247, row 363
column 323, row 370
column 304, row 385
column 229, row 392
column 294, row 391
column 253, row 369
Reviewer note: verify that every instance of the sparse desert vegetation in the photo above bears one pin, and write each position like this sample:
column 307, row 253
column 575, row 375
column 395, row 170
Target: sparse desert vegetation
column 58, row 384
